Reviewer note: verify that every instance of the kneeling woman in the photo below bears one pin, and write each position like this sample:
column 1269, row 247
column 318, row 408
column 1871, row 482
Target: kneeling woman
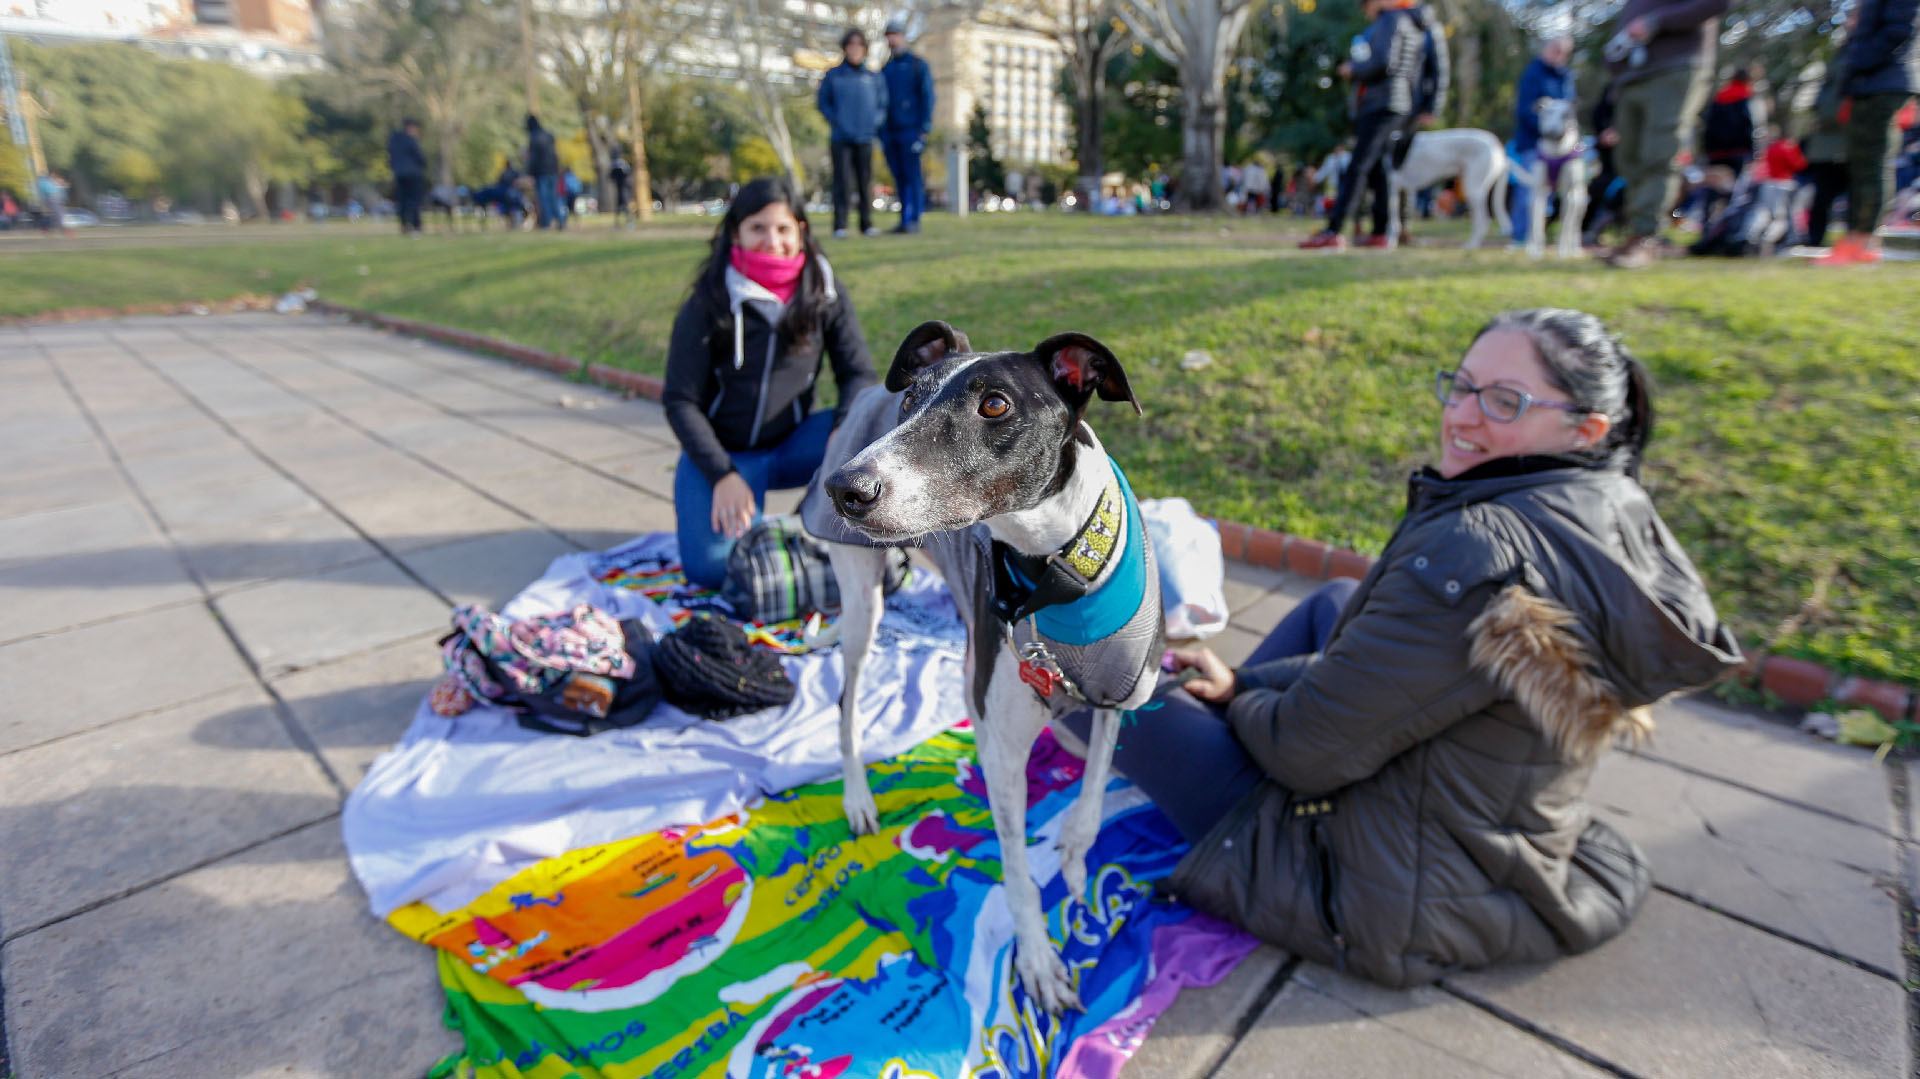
column 1395, row 782
column 741, row 367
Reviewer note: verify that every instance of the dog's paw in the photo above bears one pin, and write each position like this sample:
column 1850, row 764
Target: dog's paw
column 862, row 815
column 1045, row 977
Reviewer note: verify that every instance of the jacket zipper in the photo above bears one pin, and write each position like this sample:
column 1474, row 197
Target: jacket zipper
column 1324, row 854
column 766, row 376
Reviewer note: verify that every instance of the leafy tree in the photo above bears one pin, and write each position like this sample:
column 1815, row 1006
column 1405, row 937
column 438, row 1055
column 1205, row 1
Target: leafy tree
column 229, row 133
column 14, row 174
column 1090, row 34
column 984, row 170
column 1198, row 37
column 102, row 101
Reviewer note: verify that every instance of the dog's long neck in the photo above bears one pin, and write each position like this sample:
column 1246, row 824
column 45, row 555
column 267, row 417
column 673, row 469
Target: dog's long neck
column 1045, row 528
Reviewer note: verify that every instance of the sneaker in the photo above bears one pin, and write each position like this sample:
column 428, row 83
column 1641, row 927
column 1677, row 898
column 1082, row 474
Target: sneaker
column 1324, row 238
column 1636, row 254
column 870, row 231
column 1377, row 241
column 839, row 234
column 1848, row 251
column 899, row 230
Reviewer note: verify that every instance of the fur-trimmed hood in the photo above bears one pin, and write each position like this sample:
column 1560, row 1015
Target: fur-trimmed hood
column 1527, row 645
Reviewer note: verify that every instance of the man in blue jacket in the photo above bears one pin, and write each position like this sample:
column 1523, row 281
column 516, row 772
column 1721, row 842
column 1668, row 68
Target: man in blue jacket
column 909, row 117
column 409, row 167
column 1546, row 78
column 1877, row 60
column 854, row 101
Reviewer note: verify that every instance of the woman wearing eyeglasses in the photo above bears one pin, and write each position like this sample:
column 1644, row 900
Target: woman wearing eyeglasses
column 1394, row 782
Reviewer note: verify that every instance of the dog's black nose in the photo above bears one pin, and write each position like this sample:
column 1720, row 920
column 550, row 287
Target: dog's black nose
column 854, row 491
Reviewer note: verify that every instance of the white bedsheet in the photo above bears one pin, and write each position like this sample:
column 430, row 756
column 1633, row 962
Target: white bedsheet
column 461, row 804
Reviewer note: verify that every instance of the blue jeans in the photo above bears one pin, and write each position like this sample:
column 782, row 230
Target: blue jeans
column 1523, row 164
column 546, row 192
column 904, row 162
column 1183, row 754
column 703, row 552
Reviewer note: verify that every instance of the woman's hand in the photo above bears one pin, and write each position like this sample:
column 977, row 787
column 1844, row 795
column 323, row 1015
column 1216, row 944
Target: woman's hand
column 1215, row 681
column 732, row 506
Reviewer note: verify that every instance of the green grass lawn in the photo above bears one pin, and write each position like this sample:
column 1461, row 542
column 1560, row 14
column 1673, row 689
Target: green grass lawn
column 1789, row 395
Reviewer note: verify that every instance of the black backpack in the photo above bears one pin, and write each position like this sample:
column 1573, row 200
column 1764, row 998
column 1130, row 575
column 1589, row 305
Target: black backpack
column 707, row 667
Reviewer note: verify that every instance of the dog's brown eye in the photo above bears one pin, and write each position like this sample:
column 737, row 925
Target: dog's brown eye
column 993, row 406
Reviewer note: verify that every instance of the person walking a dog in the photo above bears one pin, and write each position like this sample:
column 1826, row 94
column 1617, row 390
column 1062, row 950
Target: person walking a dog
column 1547, row 78
column 742, row 362
column 1393, row 67
column 1878, row 82
column 854, row 101
column 1661, row 63
column 409, row 166
column 903, row 138
column 1393, row 783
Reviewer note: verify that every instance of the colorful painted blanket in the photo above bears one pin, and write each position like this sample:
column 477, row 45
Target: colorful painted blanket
column 773, row 944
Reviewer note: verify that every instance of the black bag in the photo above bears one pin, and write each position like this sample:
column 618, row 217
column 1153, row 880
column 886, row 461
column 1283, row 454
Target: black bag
column 708, row 668
column 583, row 704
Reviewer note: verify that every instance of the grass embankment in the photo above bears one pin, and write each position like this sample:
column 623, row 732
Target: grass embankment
column 1789, row 396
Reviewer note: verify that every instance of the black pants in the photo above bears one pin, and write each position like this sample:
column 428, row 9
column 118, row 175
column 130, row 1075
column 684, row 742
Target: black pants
column 1375, row 136
column 408, row 193
column 852, row 178
column 1830, row 179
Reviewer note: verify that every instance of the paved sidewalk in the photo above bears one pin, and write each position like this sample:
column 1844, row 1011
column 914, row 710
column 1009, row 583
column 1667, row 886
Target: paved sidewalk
column 227, row 545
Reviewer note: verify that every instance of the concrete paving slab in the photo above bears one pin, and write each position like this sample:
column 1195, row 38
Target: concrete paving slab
column 221, row 465
column 84, row 678
column 291, row 624
column 23, row 493
column 1246, row 585
column 100, row 526
column 357, row 708
column 73, row 590
column 407, row 517
column 265, row 963
column 1265, row 612
column 1767, row 753
column 1234, row 644
column 156, row 441
column 297, row 545
column 591, row 510
column 488, row 570
column 649, row 469
column 486, row 457
column 239, row 503
column 1327, row 1024
column 89, row 817
column 368, row 469
column 1685, row 992
column 1801, row 873
column 1197, row 1032
column 62, row 456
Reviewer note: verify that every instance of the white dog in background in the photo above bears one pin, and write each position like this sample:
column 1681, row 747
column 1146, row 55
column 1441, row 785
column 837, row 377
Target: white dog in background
column 1476, row 156
column 1560, row 168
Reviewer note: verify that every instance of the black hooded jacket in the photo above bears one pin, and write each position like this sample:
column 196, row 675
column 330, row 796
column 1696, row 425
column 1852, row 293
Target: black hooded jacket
column 1425, row 804
column 730, row 386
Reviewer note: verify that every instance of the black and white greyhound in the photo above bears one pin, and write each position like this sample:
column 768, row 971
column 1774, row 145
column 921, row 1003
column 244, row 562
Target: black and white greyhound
column 982, row 459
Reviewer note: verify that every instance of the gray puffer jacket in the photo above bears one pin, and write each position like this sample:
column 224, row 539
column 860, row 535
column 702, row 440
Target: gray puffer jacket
column 1425, row 805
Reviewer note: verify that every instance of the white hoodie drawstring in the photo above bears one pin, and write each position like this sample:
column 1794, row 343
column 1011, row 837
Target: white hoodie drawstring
column 739, row 337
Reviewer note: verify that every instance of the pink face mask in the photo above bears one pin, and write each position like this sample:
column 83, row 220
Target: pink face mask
column 778, row 275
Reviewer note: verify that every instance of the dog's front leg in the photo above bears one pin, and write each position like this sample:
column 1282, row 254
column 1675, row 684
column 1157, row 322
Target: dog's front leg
column 1537, row 210
column 1006, row 723
column 1083, row 820
column 860, row 572
column 1573, row 207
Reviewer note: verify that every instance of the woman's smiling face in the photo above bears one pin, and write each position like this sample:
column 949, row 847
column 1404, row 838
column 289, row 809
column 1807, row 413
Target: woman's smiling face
column 1468, row 438
column 772, row 231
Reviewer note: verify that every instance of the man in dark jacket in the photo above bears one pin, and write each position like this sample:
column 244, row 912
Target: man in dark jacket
column 1547, row 78
column 543, row 164
column 409, row 167
column 1397, row 73
column 1878, row 61
column 1661, row 61
column 903, row 138
column 854, row 101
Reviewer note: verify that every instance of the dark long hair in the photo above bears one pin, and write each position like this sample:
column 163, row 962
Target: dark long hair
column 800, row 322
column 1590, row 365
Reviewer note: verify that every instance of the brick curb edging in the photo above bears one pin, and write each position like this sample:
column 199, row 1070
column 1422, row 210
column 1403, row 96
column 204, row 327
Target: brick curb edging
column 1799, row 682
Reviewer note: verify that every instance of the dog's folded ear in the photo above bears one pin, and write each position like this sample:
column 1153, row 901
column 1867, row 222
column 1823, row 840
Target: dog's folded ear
column 1082, row 367
column 928, row 344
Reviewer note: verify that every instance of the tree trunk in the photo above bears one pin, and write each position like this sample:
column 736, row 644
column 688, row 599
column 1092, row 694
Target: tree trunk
column 449, row 140
column 1090, row 86
column 256, row 184
column 642, row 176
column 1203, row 119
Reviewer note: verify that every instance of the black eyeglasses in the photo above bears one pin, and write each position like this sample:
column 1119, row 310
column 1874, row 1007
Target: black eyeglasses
column 1501, row 404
